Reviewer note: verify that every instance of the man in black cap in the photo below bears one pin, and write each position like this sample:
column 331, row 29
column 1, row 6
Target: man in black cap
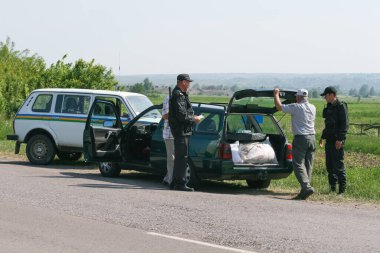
column 181, row 121
column 336, row 126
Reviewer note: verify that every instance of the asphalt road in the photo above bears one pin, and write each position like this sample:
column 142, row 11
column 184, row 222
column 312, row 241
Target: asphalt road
column 71, row 208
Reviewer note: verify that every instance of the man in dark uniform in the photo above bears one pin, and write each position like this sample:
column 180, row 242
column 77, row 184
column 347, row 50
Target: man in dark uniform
column 336, row 126
column 181, row 121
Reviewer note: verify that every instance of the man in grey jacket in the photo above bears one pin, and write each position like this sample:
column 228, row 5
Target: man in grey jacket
column 303, row 118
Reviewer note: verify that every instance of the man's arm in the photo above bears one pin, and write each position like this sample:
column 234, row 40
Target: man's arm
column 277, row 102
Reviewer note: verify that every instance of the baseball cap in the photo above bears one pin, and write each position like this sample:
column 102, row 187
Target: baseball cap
column 182, row 77
column 329, row 90
column 302, row 92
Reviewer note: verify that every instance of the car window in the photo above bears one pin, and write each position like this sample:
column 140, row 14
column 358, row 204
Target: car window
column 104, row 114
column 72, row 104
column 252, row 123
column 209, row 124
column 125, row 113
column 42, row 103
column 145, row 125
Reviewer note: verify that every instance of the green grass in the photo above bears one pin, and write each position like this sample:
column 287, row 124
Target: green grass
column 362, row 179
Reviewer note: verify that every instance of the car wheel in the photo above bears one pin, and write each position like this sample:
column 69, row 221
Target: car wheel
column 258, row 184
column 108, row 169
column 191, row 177
column 40, row 149
column 69, row 156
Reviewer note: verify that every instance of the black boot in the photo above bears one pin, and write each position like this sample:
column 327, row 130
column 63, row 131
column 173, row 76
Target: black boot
column 333, row 188
column 342, row 189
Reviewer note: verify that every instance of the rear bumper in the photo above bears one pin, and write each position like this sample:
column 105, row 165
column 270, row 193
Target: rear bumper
column 229, row 171
column 12, row 137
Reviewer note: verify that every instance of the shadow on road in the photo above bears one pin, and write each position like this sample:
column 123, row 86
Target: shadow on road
column 56, row 164
column 139, row 180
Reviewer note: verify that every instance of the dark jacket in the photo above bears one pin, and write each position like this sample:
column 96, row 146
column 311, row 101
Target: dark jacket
column 181, row 113
column 336, row 121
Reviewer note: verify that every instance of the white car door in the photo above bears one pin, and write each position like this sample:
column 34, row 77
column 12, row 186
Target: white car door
column 70, row 114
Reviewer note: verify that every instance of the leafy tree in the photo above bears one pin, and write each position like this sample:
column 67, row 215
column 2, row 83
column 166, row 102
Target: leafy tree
column 372, row 92
column 363, row 91
column 234, row 88
column 353, row 92
column 148, row 85
column 138, row 88
column 314, row 93
column 21, row 73
column 81, row 74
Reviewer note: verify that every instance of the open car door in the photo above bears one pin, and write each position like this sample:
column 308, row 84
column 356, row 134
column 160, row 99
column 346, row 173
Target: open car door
column 258, row 101
column 103, row 133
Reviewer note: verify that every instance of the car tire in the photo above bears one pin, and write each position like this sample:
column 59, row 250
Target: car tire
column 69, row 156
column 40, row 149
column 191, row 177
column 109, row 169
column 258, row 184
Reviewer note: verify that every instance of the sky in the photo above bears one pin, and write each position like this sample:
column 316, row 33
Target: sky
column 200, row 36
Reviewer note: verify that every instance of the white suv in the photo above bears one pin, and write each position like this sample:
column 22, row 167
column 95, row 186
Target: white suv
column 51, row 121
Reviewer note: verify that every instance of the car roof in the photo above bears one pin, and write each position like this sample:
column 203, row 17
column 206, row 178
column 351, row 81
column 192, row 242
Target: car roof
column 210, row 106
column 89, row 91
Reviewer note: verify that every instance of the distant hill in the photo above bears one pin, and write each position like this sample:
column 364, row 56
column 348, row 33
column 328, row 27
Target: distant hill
column 244, row 80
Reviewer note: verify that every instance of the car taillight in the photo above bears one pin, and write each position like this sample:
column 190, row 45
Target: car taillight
column 289, row 155
column 225, row 151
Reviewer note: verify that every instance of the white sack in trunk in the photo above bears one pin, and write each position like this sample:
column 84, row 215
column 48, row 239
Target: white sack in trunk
column 235, row 153
column 258, row 152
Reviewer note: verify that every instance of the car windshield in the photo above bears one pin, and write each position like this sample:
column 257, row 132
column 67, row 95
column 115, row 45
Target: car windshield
column 139, row 103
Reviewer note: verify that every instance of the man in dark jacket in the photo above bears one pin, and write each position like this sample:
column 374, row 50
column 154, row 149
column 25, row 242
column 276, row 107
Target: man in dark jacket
column 336, row 126
column 181, row 121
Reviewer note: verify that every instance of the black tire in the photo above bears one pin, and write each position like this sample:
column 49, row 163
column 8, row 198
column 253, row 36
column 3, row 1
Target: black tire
column 69, row 156
column 108, row 169
column 40, row 149
column 191, row 177
column 258, row 184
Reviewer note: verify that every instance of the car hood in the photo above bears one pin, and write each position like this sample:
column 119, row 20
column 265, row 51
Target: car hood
column 258, row 101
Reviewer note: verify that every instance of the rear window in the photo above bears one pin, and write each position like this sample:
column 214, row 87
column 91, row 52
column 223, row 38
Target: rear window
column 252, row 123
column 42, row 103
column 209, row 124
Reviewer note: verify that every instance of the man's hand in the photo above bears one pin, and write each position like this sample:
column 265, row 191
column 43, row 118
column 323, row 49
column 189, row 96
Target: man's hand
column 165, row 116
column 338, row 144
column 198, row 119
column 321, row 143
column 277, row 102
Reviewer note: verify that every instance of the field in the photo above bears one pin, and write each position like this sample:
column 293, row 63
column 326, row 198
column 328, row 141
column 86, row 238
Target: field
column 362, row 151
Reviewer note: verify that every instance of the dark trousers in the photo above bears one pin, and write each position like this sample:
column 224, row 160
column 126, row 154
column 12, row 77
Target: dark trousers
column 181, row 146
column 335, row 165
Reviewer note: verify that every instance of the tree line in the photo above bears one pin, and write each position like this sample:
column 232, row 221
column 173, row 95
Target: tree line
column 22, row 72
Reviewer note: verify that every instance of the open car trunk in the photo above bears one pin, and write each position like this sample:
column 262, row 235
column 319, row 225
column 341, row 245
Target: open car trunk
column 252, row 131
